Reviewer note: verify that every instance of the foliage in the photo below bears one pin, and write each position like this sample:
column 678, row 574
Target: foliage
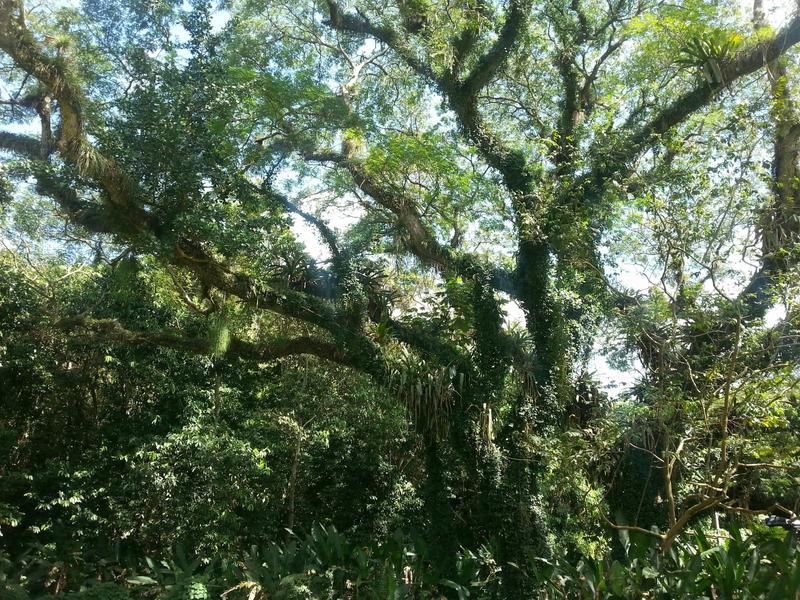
column 322, row 299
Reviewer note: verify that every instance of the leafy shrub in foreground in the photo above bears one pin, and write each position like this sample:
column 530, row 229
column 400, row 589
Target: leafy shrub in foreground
column 740, row 566
column 324, row 564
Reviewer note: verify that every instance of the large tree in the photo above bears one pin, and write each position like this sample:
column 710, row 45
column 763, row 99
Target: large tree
column 486, row 156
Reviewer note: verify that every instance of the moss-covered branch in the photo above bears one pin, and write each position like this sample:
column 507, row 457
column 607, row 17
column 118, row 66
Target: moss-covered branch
column 113, row 331
column 18, row 42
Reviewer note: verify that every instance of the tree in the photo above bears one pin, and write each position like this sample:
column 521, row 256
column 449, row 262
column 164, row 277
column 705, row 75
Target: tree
column 540, row 126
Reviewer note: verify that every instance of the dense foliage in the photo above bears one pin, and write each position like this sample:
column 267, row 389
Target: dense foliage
column 322, row 299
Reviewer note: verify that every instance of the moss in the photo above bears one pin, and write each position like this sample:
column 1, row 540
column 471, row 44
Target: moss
column 193, row 589
column 101, row 591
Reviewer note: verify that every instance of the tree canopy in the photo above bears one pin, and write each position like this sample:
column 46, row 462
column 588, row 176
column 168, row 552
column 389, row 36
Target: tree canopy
column 372, row 264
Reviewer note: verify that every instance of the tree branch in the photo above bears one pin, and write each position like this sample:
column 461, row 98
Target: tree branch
column 420, row 239
column 497, row 56
column 348, row 22
column 130, row 218
column 18, row 42
column 742, row 64
column 114, row 331
column 686, row 516
column 324, row 230
column 462, row 96
column 779, row 221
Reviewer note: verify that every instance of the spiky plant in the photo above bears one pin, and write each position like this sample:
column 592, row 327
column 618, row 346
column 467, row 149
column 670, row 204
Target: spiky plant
column 428, row 392
column 709, row 51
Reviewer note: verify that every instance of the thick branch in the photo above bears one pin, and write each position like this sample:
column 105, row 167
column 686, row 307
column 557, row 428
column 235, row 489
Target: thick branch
column 780, row 230
column 348, row 22
column 496, row 57
column 21, row 46
column 686, row 516
column 668, row 538
column 462, row 96
column 92, row 216
column 744, row 63
column 113, row 331
column 570, row 112
column 121, row 200
column 419, row 238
